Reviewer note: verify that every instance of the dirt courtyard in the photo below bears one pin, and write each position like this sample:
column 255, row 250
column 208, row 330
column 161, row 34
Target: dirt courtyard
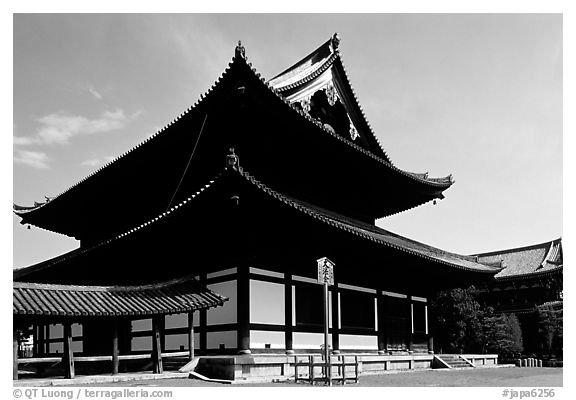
column 489, row 377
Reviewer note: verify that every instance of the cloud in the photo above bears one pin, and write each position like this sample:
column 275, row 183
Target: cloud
column 94, row 92
column 60, row 128
column 24, row 141
column 95, row 162
column 34, row 159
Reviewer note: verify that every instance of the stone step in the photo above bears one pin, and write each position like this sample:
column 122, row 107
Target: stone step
column 454, row 361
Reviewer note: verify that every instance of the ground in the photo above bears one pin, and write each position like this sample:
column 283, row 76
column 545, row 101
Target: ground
column 491, row 377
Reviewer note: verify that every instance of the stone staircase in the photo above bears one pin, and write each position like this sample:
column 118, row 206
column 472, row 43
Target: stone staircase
column 454, row 360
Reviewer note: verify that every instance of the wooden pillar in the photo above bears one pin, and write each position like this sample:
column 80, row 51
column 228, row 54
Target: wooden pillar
column 429, row 336
column 410, row 325
column 15, row 353
column 35, row 341
column 203, row 334
column 382, row 333
column 115, row 347
column 203, row 322
column 41, row 340
column 288, row 314
column 162, row 325
column 156, row 345
column 191, row 334
column 335, row 312
column 68, row 358
column 47, row 339
column 243, row 310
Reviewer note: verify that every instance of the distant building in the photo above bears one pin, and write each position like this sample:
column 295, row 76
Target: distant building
column 531, row 276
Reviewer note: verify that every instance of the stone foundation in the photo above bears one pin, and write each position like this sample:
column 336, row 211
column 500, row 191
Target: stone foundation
column 273, row 366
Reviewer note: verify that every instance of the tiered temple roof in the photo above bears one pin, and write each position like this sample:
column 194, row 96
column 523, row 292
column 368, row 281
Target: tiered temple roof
column 326, row 154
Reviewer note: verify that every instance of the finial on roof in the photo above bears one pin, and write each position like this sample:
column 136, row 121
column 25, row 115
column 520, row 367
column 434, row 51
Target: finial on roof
column 240, row 51
column 335, row 41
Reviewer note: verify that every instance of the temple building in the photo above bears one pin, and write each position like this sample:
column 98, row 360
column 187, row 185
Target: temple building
column 206, row 234
column 531, row 277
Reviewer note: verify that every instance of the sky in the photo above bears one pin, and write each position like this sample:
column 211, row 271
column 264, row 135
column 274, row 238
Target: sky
column 478, row 96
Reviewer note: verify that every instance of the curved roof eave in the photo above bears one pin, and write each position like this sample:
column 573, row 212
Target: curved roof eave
column 22, row 272
column 534, row 274
column 183, row 294
column 466, row 265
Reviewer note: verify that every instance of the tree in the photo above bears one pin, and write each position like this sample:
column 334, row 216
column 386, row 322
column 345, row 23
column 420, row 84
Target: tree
column 503, row 335
column 550, row 330
column 461, row 324
column 457, row 321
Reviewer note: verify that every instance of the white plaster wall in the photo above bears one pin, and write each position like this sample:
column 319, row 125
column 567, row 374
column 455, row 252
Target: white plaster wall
column 176, row 321
column 227, row 313
column 358, row 342
column 143, row 343
column 259, row 339
column 304, row 340
column 228, row 338
column 173, row 342
column 266, row 302
column 141, row 325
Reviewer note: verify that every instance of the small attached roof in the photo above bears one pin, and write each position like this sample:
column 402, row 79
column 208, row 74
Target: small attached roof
column 540, row 259
column 176, row 296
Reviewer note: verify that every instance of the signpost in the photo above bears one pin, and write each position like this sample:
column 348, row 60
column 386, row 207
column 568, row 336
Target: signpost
column 326, row 277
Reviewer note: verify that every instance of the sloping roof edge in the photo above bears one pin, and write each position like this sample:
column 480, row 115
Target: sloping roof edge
column 175, row 296
column 354, row 227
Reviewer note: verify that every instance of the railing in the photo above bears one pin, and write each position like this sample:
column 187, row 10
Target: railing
column 338, row 362
column 124, row 357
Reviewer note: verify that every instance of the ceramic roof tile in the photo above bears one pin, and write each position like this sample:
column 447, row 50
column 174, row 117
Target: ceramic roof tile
column 176, row 296
column 536, row 259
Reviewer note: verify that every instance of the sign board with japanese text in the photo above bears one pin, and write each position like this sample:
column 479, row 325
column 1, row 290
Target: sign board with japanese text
column 325, row 271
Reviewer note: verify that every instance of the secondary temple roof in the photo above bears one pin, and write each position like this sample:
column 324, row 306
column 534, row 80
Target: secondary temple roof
column 362, row 165
column 176, row 296
column 337, row 221
column 541, row 259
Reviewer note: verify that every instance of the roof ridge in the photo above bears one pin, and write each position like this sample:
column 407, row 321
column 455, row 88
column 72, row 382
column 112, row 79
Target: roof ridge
column 362, row 114
column 518, row 249
column 303, row 60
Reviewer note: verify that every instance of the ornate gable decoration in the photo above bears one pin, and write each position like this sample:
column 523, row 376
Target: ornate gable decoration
column 311, row 86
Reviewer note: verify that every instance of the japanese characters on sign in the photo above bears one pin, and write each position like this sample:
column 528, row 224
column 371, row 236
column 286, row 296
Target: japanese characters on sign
column 325, row 271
